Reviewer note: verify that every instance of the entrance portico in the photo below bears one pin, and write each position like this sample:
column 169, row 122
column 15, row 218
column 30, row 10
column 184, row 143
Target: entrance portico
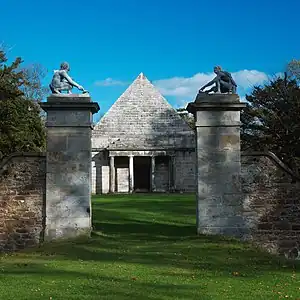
column 141, row 171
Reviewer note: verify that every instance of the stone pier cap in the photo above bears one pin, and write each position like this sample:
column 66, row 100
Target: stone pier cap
column 218, row 102
column 70, row 101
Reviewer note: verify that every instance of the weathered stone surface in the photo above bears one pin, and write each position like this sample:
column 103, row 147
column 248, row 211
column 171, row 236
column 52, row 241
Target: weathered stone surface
column 68, row 169
column 142, row 119
column 219, row 209
column 72, row 118
column 66, row 157
column 69, row 206
column 22, row 196
column 218, row 118
column 142, row 123
column 271, row 203
column 56, row 143
column 122, row 175
column 185, row 171
column 68, row 227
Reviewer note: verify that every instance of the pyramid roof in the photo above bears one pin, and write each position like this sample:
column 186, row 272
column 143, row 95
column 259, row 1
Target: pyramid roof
column 142, row 118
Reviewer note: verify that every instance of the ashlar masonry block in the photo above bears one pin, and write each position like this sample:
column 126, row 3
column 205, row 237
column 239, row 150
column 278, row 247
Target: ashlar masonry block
column 219, row 207
column 68, row 165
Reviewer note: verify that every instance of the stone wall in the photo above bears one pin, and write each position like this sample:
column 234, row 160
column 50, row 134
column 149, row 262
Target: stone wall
column 270, row 194
column 271, row 203
column 122, row 181
column 22, row 200
column 100, row 174
column 121, row 174
column 161, row 174
column 185, row 171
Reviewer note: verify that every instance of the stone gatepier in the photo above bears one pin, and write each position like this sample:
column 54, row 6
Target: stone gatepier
column 219, row 197
column 68, row 165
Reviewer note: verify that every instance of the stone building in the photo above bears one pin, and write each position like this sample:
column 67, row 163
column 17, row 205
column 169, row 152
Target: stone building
column 142, row 144
column 46, row 196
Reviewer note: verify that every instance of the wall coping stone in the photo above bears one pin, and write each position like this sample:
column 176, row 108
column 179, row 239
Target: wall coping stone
column 275, row 159
column 6, row 159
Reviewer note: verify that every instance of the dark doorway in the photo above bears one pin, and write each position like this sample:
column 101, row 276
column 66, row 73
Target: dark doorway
column 142, row 173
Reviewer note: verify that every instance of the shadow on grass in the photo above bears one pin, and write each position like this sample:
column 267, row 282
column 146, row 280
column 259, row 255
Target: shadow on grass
column 138, row 238
column 85, row 285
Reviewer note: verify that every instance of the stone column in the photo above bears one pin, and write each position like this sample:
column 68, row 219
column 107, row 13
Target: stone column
column 153, row 173
column 219, row 207
column 93, row 177
column 112, row 173
column 68, row 165
column 131, row 174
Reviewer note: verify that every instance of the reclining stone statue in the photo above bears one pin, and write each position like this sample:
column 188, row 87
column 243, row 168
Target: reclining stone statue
column 223, row 83
column 61, row 81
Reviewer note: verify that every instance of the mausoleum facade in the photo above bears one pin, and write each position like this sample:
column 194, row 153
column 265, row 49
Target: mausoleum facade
column 142, row 144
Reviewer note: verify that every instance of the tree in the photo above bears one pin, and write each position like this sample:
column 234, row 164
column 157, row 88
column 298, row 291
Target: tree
column 21, row 127
column 293, row 69
column 33, row 88
column 32, row 76
column 271, row 120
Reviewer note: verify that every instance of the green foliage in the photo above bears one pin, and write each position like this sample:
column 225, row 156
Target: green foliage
column 10, row 80
column 271, row 120
column 293, row 69
column 21, row 127
column 33, row 89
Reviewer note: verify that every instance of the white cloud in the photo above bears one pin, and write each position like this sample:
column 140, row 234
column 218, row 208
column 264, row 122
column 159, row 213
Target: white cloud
column 110, row 82
column 184, row 89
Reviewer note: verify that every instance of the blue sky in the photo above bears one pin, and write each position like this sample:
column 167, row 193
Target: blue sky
column 174, row 43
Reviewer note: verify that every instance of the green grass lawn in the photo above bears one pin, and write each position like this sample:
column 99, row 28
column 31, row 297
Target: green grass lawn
column 145, row 247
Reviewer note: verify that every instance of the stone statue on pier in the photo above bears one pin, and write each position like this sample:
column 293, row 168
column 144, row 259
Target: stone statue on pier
column 61, row 81
column 223, row 83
